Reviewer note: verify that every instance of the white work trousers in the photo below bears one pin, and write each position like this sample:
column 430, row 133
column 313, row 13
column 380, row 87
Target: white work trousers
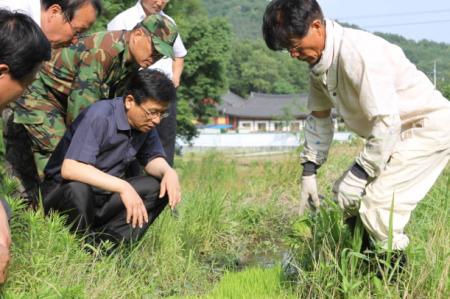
column 413, row 168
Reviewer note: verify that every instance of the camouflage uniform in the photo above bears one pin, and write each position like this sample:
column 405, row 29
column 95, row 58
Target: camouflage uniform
column 95, row 68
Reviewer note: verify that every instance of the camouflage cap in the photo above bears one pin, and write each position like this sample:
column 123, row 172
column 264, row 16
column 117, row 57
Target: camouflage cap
column 163, row 33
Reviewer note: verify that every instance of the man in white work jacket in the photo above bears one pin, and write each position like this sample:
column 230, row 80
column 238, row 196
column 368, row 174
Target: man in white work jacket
column 383, row 98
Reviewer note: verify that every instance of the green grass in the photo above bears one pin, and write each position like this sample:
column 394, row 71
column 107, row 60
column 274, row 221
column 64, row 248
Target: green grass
column 251, row 283
column 237, row 218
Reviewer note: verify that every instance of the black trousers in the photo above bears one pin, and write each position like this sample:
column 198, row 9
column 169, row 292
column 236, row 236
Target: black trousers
column 167, row 131
column 100, row 214
column 19, row 160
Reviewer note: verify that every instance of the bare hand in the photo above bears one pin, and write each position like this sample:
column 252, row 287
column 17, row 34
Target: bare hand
column 4, row 262
column 136, row 211
column 171, row 185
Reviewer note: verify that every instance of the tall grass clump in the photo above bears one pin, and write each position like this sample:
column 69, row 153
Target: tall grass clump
column 328, row 258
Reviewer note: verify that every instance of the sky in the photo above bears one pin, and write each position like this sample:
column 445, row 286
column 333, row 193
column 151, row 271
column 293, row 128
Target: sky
column 413, row 19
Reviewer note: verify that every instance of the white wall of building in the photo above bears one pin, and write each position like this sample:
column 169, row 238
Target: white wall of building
column 250, row 126
column 247, row 126
column 254, row 140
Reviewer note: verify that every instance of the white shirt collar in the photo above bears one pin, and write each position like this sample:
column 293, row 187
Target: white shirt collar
column 326, row 59
column 140, row 10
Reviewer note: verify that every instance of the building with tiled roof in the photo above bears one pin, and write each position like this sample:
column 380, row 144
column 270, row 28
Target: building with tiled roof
column 263, row 112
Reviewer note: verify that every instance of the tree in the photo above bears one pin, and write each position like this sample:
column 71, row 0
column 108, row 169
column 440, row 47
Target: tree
column 204, row 76
column 254, row 67
column 111, row 8
column 445, row 89
column 184, row 10
column 245, row 16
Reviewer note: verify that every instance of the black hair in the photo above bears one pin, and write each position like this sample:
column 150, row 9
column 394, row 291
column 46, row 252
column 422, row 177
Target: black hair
column 150, row 84
column 23, row 44
column 285, row 19
column 69, row 7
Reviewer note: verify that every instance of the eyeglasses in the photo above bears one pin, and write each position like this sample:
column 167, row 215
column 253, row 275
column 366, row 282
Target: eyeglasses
column 152, row 114
column 295, row 48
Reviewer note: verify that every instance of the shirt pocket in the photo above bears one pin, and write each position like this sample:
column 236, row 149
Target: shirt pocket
column 410, row 130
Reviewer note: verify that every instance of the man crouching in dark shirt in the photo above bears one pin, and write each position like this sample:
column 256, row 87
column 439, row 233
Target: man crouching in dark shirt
column 85, row 177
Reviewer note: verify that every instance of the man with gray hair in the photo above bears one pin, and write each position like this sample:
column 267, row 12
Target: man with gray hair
column 382, row 97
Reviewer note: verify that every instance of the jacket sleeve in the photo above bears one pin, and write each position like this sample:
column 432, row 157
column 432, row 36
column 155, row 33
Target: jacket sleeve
column 89, row 82
column 318, row 137
column 318, row 132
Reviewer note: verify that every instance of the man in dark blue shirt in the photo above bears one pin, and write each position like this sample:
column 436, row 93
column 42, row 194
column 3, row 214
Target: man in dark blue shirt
column 85, row 176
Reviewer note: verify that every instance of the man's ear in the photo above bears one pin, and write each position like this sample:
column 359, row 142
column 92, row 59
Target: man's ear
column 129, row 101
column 54, row 9
column 317, row 24
column 4, row 70
column 138, row 32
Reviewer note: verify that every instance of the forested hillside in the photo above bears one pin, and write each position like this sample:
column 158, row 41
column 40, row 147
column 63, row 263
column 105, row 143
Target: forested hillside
column 245, row 17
